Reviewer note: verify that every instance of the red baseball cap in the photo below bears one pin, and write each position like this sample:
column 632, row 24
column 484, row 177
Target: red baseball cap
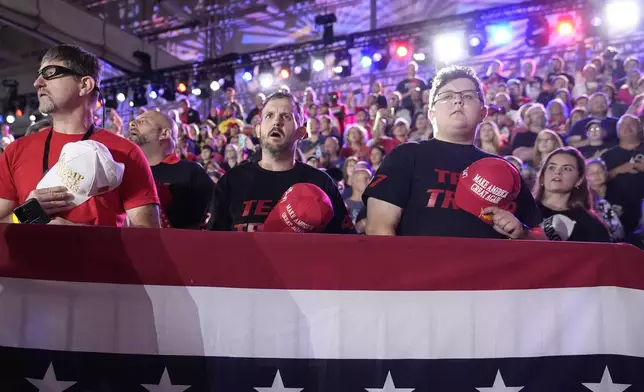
column 304, row 208
column 485, row 183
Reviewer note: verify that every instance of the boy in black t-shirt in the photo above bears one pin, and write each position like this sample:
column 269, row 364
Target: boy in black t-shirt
column 246, row 194
column 413, row 191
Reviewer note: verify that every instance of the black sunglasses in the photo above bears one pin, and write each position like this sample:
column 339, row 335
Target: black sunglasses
column 53, row 71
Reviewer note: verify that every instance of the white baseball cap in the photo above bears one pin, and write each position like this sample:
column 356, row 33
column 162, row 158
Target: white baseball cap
column 86, row 169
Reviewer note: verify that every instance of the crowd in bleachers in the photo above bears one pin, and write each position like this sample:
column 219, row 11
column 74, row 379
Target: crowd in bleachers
column 529, row 115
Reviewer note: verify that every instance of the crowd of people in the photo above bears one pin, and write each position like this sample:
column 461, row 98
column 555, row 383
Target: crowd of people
column 389, row 163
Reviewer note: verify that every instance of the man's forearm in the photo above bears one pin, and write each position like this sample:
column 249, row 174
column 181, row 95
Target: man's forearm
column 379, row 230
column 145, row 216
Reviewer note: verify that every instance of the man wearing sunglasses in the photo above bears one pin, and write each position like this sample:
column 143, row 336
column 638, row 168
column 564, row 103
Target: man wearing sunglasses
column 67, row 85
column 413, row 191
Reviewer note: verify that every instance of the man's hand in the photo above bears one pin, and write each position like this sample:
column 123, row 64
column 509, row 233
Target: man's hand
column 506, row 223
column 625, row 168
column 639, row 166
column 52, row 200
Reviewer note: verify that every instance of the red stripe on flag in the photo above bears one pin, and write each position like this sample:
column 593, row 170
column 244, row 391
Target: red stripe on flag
column 317, row 262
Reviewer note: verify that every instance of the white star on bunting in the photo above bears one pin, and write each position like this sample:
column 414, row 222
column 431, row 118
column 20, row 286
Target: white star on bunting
column 278, row 386
column 499, row 385
column 606, row 384
column 49, row 383
column 165, row 385
column 390, row 386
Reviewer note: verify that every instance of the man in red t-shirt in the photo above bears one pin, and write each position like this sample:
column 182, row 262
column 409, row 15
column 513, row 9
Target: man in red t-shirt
column 67, row 91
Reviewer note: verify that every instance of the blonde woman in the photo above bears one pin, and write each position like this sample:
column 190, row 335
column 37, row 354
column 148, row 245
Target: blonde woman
column 355, row 142
column 232, row 156
column 547, row 141
column 558, row 116
column 488, row 137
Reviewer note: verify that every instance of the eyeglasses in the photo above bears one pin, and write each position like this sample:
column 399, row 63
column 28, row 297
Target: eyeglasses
column 53, row 71
column 466, row 96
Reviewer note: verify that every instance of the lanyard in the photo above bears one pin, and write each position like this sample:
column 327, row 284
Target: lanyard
column 45, row 157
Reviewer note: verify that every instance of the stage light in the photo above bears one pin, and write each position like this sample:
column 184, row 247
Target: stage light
column 419, row 57
column 537, row 34
column 131, row 104
column 402, row 51
column 596, row 21
column 266, row 80
column 196, row 91
column 215, row 86
column 476, row 40
column 32, row 118
column 501, row 34
column 449, row 47
column 153, row 94
column 120, row 97
column 565, row 26
column 622, row 15
column 342, row 63
column 247, row 76
column 381, row 59
column 318, row 65
column 19, row 113
column 366, row 61
column 285, row 73
column 167, row 92
column 302, row 67
column 11, row 119
column 139, row 97
column 182, row 87
column 265, row 75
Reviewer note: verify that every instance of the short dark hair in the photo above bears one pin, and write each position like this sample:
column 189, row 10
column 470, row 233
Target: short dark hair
column 294, row 101
column 78, row 60
column 447, row 74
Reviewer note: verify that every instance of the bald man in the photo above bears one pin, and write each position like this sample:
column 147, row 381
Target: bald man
column 185, row 189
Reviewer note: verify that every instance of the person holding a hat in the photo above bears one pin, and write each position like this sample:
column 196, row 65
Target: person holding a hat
column 184, row 187
column 304, row 198
column 88, row 161
column 414, row 190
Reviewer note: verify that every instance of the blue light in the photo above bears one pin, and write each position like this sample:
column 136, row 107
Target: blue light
column 247, row 76
column 153, row 94
column 1, row 118
column 501, row 34
column 366, row 61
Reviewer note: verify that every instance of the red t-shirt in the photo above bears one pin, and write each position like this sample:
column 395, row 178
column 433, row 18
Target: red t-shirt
column 388, row 143
column 21, row 171
column 362, row 154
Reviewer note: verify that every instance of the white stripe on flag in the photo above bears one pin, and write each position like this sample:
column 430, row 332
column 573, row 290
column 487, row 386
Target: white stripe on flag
column 320, row 324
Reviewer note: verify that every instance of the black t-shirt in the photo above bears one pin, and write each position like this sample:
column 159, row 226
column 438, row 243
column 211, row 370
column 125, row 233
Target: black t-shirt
column 587, row 227
column 405, row 86
column 524, row 139
column 246, row 194
column 589, row 151
column 185, row 191
column 609, row 124
column 627, row 189
column 421, row 179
